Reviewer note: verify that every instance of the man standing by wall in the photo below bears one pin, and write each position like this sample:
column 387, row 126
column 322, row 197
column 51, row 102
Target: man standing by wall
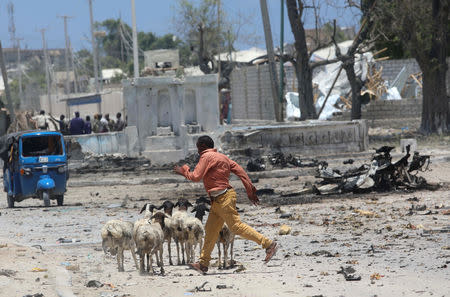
column 41, row 120
column 76, row 125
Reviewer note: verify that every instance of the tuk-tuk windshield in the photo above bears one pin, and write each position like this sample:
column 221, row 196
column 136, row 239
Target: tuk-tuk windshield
column 41, row 146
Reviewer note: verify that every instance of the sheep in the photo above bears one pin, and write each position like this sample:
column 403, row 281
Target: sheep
column 183, row 204
column 168, row 208
column 200, row 210
column 149, row 240
column 117, row 236
column 147, row 209
column 202, row 200
column 195, row 233
column 178, row 229
column 226, row 237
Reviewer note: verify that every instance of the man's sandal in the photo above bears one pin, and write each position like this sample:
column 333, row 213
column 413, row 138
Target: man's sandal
column 198, row 267
column 271, row 251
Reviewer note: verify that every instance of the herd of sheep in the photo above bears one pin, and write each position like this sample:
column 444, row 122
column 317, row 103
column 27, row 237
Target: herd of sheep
column 147, row 235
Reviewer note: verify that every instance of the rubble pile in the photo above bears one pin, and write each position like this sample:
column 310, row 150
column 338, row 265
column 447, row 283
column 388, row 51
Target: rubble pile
column 112, row 163
column 279, row 160
column 380, row 175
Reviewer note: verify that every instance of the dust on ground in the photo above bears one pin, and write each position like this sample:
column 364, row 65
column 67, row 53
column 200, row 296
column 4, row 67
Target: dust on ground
column 397, row 242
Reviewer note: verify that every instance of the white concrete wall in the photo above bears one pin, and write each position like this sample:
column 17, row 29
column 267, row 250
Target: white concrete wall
column 153, row 102
column 102, row 143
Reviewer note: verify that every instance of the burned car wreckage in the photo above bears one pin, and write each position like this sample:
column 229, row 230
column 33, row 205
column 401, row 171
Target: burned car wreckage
column 380, row 174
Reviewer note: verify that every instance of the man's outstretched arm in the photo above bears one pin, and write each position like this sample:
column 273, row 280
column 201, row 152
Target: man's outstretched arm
column 240, row 172
column 197, row 174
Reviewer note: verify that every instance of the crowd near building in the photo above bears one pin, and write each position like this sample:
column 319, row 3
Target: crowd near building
column 77, row 125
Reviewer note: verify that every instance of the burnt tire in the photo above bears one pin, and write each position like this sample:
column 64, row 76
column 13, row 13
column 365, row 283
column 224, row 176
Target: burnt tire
column 46, row 198
column 60, row 200
column 10, row 201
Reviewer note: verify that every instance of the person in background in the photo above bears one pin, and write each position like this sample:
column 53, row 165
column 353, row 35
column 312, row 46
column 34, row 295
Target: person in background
column 76, row 126
column 62, row 123
column 96, row 124
column 41, row 120
column 110, row 123
column 103, row 125
column 120, row 124
column 87, row 125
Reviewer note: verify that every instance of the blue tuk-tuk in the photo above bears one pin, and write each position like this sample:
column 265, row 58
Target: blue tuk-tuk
column 35, row 166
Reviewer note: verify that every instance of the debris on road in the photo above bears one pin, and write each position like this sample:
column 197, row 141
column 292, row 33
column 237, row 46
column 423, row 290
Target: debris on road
column 94, row 284
column 376, row 276
column 7, row 272
column 285, row 230
column 348, row 273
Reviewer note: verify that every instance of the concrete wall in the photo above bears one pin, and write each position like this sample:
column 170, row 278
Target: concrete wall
column 166, row 103
column 307, row 138
column 252, row 98
column 112, row 103
column 391, row 69
column 151, row 58
column 123, row 142
column 251, row 93
column 390, row 113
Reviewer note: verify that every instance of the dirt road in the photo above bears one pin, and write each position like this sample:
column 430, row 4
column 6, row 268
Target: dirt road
column 396, row 249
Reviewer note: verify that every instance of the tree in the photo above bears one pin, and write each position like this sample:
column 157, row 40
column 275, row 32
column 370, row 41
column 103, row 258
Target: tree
column 302, row 56
column 113, row 42
column 197, row 24
column 348, row 59
column 199, row 27
column 423, row 29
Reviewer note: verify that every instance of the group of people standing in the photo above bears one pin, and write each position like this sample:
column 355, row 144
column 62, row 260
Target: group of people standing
column 77, row 126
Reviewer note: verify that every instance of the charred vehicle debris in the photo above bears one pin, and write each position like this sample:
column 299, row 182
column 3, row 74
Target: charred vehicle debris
column 380, row 173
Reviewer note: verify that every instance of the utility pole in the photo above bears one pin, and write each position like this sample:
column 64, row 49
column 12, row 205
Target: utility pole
column 94, row 48
column 75, row 76
column 220, row 34
column 12, row 24
column 67, row 84
column 19, row 68
column 5, row 81
column 281, row 58
column 47, row 74
column 271, row 57
column 219, row 68
column 135, row 45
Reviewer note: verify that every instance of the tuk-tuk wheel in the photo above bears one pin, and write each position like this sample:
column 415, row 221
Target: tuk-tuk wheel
column 10, row 201
column 46, row 198
column 60, row 200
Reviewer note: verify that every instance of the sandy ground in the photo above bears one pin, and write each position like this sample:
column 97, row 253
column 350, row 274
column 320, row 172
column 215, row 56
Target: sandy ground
column 406, row 253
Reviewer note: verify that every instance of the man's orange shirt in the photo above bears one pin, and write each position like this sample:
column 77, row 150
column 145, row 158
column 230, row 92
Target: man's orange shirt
column 214, row 168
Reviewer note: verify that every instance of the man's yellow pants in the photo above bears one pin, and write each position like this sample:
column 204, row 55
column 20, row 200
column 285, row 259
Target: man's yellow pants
column 223, row 209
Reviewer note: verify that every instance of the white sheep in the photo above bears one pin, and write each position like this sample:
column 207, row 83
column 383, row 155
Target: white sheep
column 168, row 208
column 195, row 233
column 178, row 226
column 117, row 236
column 149, row 240
column 147, row 209
column 226, row 237
column 179, row 233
